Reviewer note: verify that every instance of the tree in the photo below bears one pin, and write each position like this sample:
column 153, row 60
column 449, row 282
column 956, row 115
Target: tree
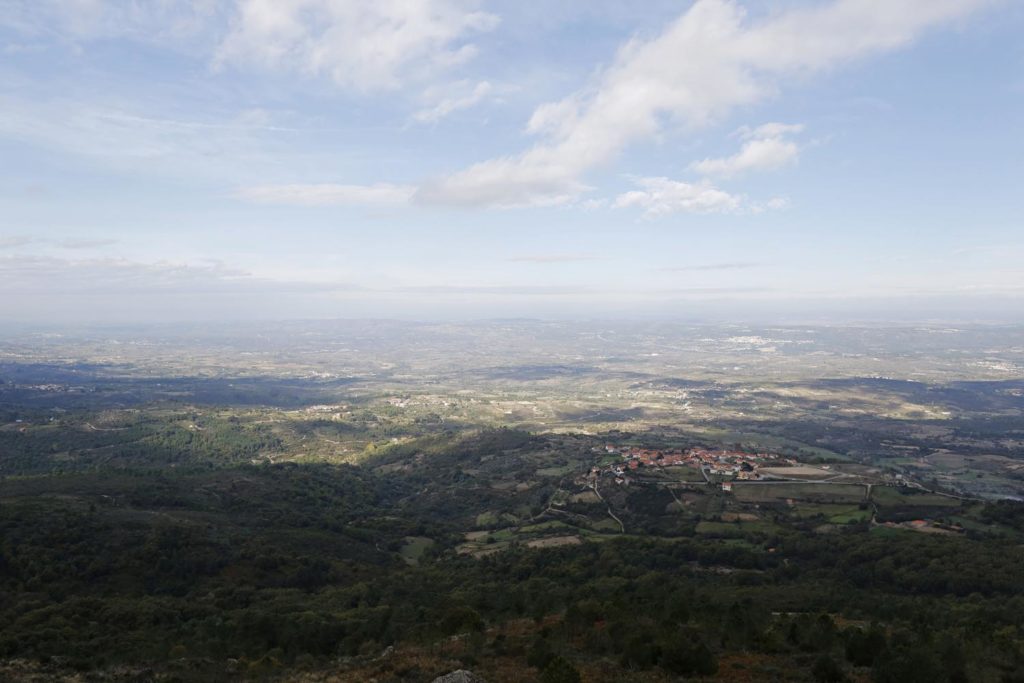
column 640, row 652
column 864, row 647
column 559, row 670
column 687, row 655
column 913, row 664
column 540, row 654
column 827, row 670
column 460, row 619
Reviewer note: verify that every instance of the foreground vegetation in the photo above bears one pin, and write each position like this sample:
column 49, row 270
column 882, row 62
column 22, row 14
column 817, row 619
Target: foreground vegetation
column 267, row 570
column 207, row 527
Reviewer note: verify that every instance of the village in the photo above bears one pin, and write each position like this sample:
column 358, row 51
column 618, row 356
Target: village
column 732, row 465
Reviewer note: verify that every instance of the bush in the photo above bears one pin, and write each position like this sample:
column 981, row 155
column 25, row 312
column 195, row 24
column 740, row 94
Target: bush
column 559, row 670
column 827, row 670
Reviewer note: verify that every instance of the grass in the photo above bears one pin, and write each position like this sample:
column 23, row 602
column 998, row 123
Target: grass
column 803, row 510
column 770, row 442
column 683, row 473
column 853, row 516
column 487, row 518
column 586, row 497
column 544, row 526
column 414, row 548
column 808, row 473
column 606, row 525
column 491, row 518
column 555, row 471
column 888, row 496
column 835, row 514
column 822, row 493
column 972, row 524
column 734, row 528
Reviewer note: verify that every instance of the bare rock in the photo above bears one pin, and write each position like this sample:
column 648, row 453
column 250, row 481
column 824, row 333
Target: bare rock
column 460, row 676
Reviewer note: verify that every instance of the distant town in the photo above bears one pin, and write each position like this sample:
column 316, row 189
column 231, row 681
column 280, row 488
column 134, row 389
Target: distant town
column 735, row 465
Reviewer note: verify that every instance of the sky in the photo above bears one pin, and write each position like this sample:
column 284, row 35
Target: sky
column 217, row 160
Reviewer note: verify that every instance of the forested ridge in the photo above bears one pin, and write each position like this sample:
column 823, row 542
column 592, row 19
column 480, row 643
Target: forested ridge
column 202, row 572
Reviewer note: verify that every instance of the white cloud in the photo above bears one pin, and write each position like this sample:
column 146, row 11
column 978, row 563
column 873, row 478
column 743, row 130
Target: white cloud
column 735, row 265
column 86, row 243
column 766, row 148
column 593, row 204
column 663, row 196
column 12, row 241
column 492, row 290
column 49, row 290
column 660, row 196
column 360, row 45
column 770, row 130
column 551, row 258
column 328, row 194
column 244, row 146
column 775, row 204
column 534, row 179
column 184, row 24
column 449, row 105
column 24, row 275
column 708, row 62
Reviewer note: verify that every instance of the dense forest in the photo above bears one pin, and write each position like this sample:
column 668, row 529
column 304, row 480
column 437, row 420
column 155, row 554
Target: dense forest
column 205, row 572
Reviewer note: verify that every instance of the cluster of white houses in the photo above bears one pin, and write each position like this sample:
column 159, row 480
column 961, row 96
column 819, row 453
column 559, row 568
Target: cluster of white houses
column 722, row 463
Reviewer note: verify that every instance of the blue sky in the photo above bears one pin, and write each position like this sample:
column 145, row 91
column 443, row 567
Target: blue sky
column 228, row 159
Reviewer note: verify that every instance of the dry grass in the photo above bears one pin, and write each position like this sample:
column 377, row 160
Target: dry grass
column 554, row 542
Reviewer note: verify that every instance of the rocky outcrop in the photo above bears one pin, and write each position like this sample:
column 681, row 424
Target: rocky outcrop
column 460, row 676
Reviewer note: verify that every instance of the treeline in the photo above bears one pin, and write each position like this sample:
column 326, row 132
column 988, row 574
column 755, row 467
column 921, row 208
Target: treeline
column 77, row 446
column 286, row 564
column 293, row 563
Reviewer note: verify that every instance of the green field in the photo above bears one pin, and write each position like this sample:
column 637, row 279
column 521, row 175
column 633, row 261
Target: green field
column 490, row 518
column 555, row 471
column 822, row 493
column 545, row 526
column 683, row 473
column 835, row 514
column 735, row 529
column 771, row 442
column 414, row 548
column 606, row 524
column 889, row 496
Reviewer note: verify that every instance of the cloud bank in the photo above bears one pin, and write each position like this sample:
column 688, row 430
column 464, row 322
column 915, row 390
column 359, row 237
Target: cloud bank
column 328, row 194
column 363, row 46
column 710, row 61
column 766, row 148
